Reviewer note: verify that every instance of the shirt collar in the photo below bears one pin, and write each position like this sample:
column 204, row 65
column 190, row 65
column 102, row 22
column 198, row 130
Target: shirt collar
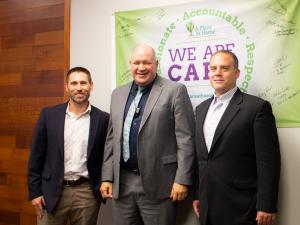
column 87, row 111
column 226, row 96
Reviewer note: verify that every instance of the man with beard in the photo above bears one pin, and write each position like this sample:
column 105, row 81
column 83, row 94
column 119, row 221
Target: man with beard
column 66, row 156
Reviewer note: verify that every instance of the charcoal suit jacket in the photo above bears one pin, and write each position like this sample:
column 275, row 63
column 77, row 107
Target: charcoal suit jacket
column 239, row 176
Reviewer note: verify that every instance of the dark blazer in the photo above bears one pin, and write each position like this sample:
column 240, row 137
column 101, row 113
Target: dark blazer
column 240, row 174
column 165, row 145
column 46, row 161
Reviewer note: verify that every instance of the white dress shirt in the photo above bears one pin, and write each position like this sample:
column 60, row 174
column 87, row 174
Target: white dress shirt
column 76, row 135
column 214, row 115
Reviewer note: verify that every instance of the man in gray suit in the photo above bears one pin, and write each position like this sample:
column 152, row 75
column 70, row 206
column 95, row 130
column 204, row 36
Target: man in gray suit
column 149, row 154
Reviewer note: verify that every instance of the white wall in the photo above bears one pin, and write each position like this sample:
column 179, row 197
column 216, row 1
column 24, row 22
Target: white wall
column 91, row 47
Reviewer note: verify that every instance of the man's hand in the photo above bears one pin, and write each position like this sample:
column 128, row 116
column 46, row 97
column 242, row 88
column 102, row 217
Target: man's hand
column 179, row 192
column 264, row 218
column 38, row 204
column 106, row 189
column 196, row 207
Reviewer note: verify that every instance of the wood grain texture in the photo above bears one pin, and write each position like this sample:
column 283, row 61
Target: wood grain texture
column 30, row 14
column 26, row 218
column 14, row 41
column 8, row 141
column 7, row 217
column 34, row 58
column 7, row 79
column 31, row 27
column 53, row 37
column 12, row 5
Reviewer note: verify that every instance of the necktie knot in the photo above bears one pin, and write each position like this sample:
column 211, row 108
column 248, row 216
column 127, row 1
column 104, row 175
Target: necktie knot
column 140, row 89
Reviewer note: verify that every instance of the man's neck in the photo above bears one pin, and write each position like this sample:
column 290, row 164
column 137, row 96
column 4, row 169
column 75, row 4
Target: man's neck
column 78, row 109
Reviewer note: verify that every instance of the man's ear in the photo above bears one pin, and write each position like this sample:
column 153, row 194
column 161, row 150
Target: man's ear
column 92, row 85
column 238, row 72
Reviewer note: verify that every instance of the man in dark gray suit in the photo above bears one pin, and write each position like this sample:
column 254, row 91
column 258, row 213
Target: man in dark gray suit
column 65, row 161
column 238, row 154
column 149, row 155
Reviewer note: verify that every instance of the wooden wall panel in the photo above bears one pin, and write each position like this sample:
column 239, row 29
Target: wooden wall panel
column 7, row 79
column 47, row 90
column 7, row 217
column 29, row 14
column 8, row 141
column 36, row 52
column 31, row 27
column 11, row 191
column 14, row 41
column 34, row 56
column 12, row 5
column 53, row 37
column 26, row 219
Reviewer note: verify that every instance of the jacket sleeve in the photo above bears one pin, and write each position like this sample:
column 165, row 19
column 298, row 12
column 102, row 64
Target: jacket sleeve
column 267, row 158
column 184, row 131
column 107, row 166
column 37, row 158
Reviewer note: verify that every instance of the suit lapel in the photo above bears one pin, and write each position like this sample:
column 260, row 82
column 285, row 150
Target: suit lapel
column 230, row 112
column 152, row 99
column 94, row 120
column 201, row 115
column 60, row 125
column 121, row 100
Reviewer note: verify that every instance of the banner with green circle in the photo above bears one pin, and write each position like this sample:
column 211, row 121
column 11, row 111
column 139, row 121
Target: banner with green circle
column 264, row 34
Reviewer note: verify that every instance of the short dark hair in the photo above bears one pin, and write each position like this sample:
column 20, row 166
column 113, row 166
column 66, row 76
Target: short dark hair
column 234, row 57
column 79, row 69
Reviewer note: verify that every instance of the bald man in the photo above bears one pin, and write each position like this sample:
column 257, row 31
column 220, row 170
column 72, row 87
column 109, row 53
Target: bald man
column 149, row 150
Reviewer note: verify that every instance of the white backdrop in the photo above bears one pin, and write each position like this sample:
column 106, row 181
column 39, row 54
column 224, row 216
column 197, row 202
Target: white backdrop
column 91, row 47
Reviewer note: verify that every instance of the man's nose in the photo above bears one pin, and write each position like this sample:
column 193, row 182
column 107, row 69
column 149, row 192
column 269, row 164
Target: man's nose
column 218, row 71
column 141, row 66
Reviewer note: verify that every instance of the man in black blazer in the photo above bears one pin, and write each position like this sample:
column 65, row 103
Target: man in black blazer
column 238, row 158
column 65, row 161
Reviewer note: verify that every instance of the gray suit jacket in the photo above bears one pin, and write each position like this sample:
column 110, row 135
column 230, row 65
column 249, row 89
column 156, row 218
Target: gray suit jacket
column 165, row 141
